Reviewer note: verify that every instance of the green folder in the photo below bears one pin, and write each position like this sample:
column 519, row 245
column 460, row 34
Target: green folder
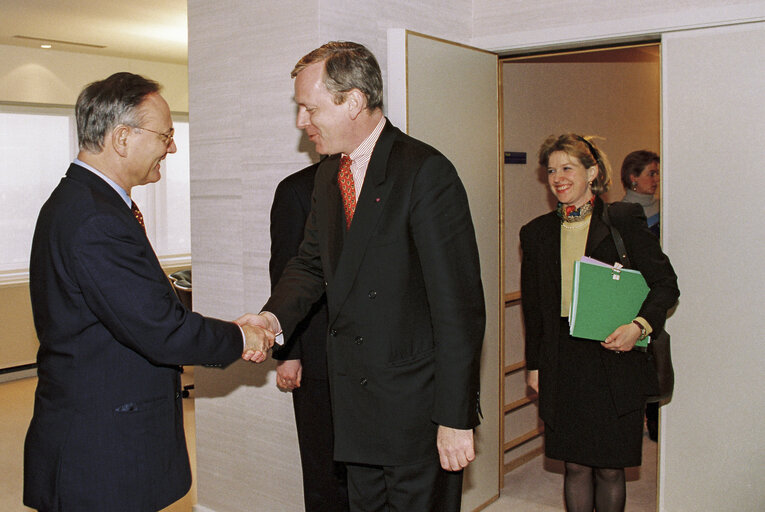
column 603, row 298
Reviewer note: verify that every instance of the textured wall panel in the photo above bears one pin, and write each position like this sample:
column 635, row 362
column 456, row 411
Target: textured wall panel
column 506, row 24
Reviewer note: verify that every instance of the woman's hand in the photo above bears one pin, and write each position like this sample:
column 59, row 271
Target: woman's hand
column 622, row 339
column 532, row 380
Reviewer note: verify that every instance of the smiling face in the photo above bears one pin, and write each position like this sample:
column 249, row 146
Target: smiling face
column 147, row 148
column 327, row 124
column 568, row 179
column 648, row 180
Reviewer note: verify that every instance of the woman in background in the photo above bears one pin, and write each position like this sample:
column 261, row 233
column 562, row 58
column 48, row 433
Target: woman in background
column 640, row 177
column 591, row 392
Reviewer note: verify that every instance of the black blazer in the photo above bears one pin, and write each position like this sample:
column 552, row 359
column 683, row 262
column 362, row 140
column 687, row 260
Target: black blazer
column 630, row 374
column 292, row 203
column 107, row 430
column 406, row 305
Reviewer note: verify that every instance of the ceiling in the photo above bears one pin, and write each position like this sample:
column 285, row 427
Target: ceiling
column 139, row 29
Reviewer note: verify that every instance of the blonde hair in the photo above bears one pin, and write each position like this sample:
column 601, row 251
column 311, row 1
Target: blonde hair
column 585, row 151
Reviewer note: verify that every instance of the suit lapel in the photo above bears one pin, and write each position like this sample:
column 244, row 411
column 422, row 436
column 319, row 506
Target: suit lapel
column 374, row 195
column 598, row 230
column 549, row 243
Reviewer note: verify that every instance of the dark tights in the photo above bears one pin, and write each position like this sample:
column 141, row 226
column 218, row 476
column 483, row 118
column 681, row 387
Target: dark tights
column 586, row 488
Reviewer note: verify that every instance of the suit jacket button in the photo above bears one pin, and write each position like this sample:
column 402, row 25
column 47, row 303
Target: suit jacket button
column 332, row 332
column 359, row 340
column 177, row 395
column 372, row 294
column 363, row 381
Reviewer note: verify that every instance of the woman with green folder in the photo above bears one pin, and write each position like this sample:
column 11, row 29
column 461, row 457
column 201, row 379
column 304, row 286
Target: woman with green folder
column 591, row 392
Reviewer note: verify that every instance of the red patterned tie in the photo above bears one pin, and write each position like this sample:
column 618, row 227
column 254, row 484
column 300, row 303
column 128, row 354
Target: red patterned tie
column 138, row 215
column 347, row 189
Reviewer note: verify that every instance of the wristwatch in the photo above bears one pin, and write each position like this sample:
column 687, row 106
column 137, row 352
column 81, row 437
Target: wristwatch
column 643, row 333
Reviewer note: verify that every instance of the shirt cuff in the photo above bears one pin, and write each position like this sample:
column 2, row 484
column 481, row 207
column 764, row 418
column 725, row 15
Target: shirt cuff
column 277, row 328
column 244, row 338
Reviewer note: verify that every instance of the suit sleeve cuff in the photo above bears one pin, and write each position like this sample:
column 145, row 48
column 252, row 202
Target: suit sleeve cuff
column 644, row 323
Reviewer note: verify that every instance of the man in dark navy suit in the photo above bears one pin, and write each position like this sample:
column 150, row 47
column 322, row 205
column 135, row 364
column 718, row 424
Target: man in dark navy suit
column 302, row 362
column 107, row 430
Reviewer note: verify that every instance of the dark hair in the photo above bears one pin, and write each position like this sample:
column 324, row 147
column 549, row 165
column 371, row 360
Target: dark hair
column 347, row 66
column 107, row 103
column 635, row 163
column 585, row 151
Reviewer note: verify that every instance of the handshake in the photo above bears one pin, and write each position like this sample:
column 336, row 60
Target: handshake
column 259, row 334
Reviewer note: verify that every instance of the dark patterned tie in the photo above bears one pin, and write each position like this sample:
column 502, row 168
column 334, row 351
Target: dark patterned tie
column 138, row 215
column 347, row 189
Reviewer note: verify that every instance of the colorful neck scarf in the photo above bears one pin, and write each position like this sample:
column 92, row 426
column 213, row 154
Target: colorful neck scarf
column 570, row 213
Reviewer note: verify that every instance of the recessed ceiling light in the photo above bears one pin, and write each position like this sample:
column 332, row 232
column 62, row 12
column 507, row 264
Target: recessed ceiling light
column 49, row 41
column 46, row 46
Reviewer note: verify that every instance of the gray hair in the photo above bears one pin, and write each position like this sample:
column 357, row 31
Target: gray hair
column 103, row 105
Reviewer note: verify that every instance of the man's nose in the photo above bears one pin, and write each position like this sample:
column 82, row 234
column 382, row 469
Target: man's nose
column 302, row 119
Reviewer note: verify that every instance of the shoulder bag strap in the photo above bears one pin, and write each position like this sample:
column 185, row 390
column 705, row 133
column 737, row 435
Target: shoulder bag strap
column 618, row 242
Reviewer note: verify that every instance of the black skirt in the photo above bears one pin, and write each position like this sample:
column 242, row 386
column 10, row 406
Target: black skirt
column 588, row 429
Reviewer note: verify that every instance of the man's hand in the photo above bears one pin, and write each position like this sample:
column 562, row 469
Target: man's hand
column 257, row 341
column 264, row 319
column 288, row 374
column 455, row 448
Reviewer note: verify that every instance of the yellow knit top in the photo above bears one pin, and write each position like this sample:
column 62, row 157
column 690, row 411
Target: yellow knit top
column 573, row 240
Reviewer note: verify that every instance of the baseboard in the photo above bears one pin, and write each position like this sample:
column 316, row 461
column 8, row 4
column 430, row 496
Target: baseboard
column 18, row 372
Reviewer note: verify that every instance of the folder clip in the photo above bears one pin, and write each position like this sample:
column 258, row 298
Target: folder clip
column 616, row 271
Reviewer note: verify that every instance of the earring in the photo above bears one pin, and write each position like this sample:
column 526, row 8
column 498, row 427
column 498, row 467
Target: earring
column 634, row 185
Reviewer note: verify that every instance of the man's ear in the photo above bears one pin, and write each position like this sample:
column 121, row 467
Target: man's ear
column 119, row 139
column 356, row 101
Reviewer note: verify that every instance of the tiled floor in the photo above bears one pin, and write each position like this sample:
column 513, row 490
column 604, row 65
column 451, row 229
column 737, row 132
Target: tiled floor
column 534, row 487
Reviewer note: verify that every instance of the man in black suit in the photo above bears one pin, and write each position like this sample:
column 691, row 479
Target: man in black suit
column 107, row 430
column 395, row 252
column 302, row 362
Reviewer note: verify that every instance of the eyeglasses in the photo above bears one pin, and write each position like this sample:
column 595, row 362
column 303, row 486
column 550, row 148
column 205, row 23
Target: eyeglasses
column 167, row 138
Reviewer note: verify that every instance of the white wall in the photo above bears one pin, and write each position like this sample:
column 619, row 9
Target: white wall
column 713, row 447
column 504, row 24
column 29, row 75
